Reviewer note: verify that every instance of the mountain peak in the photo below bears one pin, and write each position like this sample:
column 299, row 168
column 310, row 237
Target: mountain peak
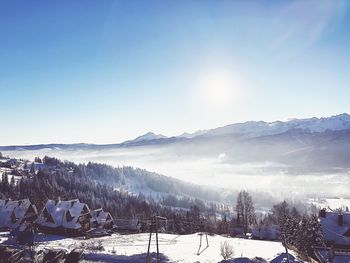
column 148, row 137
column 343, row 116
column 260, row 128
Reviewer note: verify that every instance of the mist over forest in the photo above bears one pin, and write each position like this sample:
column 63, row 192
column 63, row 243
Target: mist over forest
column 282, row 162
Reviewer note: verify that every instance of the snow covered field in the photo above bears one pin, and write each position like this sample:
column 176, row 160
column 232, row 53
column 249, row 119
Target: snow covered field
column 182, row 248
column 333, row 203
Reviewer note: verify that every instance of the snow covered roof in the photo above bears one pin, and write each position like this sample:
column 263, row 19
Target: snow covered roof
column 335, row 231
column 100, row 216
column 58, row 213
column 12, row 213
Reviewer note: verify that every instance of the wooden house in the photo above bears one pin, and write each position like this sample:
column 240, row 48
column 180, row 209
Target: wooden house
column 65, row 218
column 336, row 228
column 101, row 219
column 13, row 213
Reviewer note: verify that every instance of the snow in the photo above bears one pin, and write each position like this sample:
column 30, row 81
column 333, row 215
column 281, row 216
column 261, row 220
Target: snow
column 147, row 137
column 4, row 236
column 58, row 211
column 177, row 248
column 332, row 231
column 13, row 208
column 260, row 128
column 333, row 203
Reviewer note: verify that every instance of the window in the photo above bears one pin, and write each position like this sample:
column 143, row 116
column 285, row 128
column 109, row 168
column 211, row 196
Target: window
column 69, row 217
column 13, row 217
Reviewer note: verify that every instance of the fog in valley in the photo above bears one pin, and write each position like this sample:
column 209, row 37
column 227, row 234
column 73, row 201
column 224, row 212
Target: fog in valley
column 214, row 170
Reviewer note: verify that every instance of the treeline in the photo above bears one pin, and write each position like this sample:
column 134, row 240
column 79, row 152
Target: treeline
column 66, row 180
column 158, row 183
column 300, row 232
column 89, row 183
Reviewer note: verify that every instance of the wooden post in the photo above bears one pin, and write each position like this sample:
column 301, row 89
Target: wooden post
column 156, row 223
column 200, row 243
column 285, row 246
column 148, row 259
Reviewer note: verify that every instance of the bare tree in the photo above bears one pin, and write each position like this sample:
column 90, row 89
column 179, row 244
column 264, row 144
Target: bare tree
column 245, row 210
column 226, row 250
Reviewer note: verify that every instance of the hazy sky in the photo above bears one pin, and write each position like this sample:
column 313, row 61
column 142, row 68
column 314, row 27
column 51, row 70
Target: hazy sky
column 107, row 71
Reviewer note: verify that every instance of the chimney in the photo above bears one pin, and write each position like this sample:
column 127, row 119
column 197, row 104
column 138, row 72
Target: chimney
column 322, row 213
column 340, row 219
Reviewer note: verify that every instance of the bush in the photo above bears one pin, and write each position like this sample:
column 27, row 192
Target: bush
column 226, row 250
column 92, row 246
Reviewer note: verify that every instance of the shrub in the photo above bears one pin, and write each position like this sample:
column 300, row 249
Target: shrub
column 226, row 250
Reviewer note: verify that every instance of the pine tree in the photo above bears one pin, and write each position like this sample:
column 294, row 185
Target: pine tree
column 32, row 169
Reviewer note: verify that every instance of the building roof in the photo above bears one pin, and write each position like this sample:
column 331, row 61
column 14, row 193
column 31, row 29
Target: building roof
column 12, row 213
column 63, row 213
column 100, row 216
column 333, row 231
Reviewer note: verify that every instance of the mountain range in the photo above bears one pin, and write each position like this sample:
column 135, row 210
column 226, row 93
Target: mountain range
column 296, row 146
column 249, row 129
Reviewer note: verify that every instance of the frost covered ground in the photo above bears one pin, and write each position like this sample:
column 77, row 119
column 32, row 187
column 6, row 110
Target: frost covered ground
column 184, row 248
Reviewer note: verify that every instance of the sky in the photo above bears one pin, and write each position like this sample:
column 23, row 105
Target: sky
column 108, row 71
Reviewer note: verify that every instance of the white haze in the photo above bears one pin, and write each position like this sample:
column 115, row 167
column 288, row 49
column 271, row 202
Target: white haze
column 210, row 171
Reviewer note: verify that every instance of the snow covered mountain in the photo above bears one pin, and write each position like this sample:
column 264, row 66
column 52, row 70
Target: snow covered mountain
column 213, row 157
column 249, row 129
column 150, row 136
column 260, row 128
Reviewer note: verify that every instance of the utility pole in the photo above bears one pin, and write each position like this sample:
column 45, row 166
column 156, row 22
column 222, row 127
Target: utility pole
column 154, row 224
column 285, row 246
column 148, row 259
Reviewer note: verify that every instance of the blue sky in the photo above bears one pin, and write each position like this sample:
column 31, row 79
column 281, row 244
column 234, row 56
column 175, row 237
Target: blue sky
column 107, row 71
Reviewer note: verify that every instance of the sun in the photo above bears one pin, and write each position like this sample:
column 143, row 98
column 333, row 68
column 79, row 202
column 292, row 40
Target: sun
column 216, row 89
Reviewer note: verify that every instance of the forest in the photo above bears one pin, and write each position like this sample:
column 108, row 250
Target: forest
column 89, row 183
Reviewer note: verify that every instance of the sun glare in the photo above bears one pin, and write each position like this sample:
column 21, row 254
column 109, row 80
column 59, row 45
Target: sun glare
column 216, row 89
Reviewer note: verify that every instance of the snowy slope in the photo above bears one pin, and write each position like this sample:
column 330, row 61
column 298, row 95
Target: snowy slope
column 150, row 136
column 261, row 128
column 182, row 248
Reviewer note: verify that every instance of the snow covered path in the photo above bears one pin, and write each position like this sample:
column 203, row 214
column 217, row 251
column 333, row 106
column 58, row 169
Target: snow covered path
column 177, row 248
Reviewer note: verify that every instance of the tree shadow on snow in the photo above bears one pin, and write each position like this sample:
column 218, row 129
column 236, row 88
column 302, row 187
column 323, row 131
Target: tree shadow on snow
column 283, row 258
column 244, row 260
column 138, row 258
column 42, row 238
column 280, row 258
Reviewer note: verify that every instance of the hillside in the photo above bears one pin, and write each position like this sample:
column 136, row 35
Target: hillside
column 229, row 157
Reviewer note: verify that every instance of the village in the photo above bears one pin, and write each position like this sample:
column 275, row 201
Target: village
column 70, row 230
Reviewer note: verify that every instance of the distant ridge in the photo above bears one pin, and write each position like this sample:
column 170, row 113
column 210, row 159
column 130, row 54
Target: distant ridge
column 250, row 129
column 146, row 137
column 260, row 128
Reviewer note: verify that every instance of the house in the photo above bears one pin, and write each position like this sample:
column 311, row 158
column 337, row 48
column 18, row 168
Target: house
column 34, row 167
column 336, row 228
column 127, row 226
column 65, row 217
column 266, row 232
column 15, row 213
column 101, row 219
column 328, row 255
column 9, row 163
